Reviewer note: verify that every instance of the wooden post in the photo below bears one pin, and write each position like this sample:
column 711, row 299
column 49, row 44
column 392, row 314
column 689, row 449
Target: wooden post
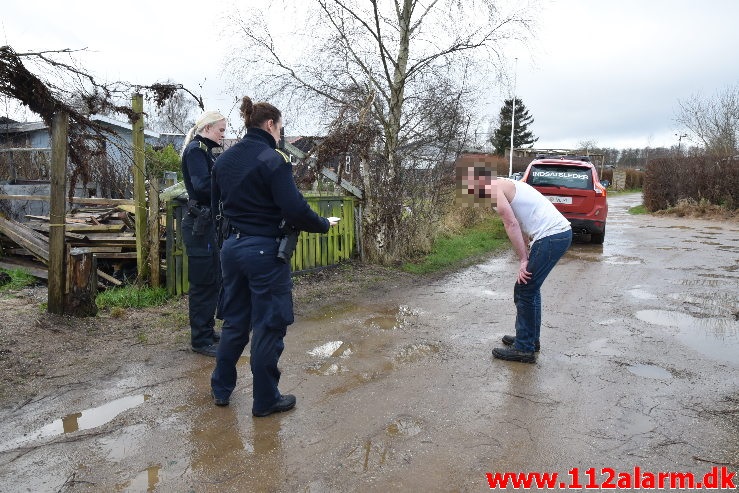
column 169, row 235
column 139, row 190
column 57, row 250
column 154, row 259
column 82, row 282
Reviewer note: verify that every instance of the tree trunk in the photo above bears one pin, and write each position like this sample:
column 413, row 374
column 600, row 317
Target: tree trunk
column 384, row 200
column 82, row 281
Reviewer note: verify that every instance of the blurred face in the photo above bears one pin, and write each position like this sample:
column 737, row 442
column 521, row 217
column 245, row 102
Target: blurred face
column 215, row 131
column 483, row 186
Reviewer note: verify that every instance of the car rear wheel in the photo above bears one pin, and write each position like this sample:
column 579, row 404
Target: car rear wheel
column 597, row 238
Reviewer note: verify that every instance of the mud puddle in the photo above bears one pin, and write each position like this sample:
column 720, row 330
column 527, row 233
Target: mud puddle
column 717, row 338
column 78, row 421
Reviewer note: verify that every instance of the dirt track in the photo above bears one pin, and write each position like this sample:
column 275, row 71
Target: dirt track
column 638, row 367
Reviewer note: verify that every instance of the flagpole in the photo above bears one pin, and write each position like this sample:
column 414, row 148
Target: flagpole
column 513, row 118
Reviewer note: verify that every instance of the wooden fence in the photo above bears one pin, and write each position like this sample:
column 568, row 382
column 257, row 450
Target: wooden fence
column 313, row 249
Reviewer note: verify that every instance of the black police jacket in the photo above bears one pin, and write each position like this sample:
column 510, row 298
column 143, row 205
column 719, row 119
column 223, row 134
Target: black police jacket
column 197, row 163
column 255, row 185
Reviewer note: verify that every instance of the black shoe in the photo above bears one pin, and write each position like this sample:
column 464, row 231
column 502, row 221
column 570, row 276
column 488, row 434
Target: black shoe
column 209, row 350
column 513, row 354
column 217, row 401
column 509, row 340
column 284, row 403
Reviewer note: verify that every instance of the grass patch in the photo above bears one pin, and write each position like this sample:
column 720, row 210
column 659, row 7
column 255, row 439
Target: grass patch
column 639, row 209
column 19, row 279
column 454, row 250
column 117, row 312
column 702, row 208
column 131, row 297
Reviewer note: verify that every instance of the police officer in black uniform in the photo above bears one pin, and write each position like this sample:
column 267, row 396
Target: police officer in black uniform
column 254, row 184
column 198, row 231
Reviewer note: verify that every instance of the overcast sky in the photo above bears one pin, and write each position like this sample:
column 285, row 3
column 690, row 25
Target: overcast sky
column 612, row 72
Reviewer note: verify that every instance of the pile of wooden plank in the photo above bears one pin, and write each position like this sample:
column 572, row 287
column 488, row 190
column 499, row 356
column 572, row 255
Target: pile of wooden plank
column 108, row 232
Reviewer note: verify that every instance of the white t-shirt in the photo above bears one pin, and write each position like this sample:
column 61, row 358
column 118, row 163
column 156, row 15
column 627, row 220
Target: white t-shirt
column 536, row 215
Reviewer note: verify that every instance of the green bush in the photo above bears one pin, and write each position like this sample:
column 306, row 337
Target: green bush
column 167, row 159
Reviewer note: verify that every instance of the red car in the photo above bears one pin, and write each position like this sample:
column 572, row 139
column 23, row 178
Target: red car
column 572, row 185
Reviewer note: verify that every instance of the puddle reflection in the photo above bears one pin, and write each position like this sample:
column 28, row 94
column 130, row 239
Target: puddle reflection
column 83, row 420
column 327, row 353
column 392, row 319
column 415, row 352
column 326, row 368
column 641, row 294
column 358, row 379
column 332, row 311
column 366, row 456
column 146, row 480
column 710, row 303
column 230, row 452
column 326, row 350
column 717, row 338
column 405, row 426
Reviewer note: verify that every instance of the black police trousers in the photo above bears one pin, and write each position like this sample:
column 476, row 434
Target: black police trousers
column 257, row 300
column 204, row 276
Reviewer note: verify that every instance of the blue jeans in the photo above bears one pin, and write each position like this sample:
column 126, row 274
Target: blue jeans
column 257, row 299
column 543, row 256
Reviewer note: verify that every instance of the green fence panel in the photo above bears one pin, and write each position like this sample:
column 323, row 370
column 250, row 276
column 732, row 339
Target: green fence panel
column 313, row 249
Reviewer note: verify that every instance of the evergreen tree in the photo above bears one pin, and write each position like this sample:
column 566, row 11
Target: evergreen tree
column 522, row 136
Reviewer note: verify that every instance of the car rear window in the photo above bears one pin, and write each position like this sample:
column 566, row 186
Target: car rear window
column 560, row 176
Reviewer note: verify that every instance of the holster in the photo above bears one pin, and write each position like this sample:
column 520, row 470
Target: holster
column 288, row 242
column 202, row 216
column 224, row 229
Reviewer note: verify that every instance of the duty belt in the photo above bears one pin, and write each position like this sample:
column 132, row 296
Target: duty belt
column 233, row 230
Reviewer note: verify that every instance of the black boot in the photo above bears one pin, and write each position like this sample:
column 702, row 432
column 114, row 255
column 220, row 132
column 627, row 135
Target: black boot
column 509, row 340
column 513, row 354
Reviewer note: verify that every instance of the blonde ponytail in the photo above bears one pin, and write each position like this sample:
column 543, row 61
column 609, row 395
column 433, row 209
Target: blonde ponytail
column 205, row 119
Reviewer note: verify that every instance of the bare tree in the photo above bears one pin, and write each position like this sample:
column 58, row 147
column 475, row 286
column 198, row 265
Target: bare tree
column 175, row 115
column 399, row 71
column 714, row 122
column 48, row 81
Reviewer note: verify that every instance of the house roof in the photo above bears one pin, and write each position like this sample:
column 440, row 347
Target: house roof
column 304, row 143
column 295, row 151
column 164, row 139
column 21, row 127
column 117, row 123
